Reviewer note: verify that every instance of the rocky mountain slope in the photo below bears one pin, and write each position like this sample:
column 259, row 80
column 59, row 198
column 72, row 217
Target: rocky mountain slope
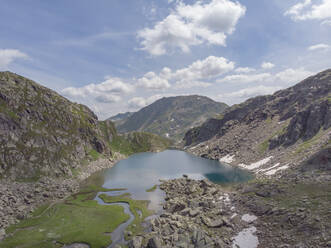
column 268, row 134
column 42, row 133
column 172, row 116
column 120, row 118
column 49, row 144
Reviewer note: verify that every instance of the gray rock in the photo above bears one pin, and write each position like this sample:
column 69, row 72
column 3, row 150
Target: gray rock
column 2, row 233
column 154, row 242
column 136, row 242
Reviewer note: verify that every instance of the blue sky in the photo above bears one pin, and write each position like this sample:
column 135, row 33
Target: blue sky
column 116, row 55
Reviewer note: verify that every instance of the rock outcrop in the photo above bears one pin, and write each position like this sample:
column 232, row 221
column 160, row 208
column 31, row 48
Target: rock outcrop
column 274, row 131
column 41, row 132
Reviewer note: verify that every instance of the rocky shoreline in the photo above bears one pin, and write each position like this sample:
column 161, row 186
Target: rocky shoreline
column 203, row 214
column 19, row 199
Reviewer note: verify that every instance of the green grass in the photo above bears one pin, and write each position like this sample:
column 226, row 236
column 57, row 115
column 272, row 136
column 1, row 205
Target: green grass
column 138, row 142
column 152, row 189
column 94, row 154
column 78, row 219
column 135, row 206
column 306, row 145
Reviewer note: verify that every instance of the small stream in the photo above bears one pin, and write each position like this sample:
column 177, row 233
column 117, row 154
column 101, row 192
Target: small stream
column 117, row 236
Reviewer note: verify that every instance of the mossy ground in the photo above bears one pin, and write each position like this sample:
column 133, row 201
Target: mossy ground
column 78, row 219
column 152, row 189
column 139, row 208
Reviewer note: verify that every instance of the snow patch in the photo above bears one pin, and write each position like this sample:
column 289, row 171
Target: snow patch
column 272, row 172
column 272, row 167
column 246, row 239
column 248, row 218
column 256, row 164
column 234, row 215
column 227, row 159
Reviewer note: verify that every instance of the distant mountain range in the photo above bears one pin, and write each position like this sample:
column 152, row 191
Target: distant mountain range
column 170, row 117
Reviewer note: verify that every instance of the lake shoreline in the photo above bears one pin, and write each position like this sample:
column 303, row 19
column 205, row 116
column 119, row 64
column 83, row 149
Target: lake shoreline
column 20, row 199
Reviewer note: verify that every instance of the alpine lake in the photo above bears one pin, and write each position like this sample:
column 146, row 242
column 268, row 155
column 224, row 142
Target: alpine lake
column 115, row 203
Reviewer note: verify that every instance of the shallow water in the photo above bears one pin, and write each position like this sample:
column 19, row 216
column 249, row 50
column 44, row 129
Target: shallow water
column 142, row 171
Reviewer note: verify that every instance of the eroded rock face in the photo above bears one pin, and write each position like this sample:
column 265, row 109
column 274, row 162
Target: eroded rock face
column 305, row 124
column 309, row 98
column 41, row 132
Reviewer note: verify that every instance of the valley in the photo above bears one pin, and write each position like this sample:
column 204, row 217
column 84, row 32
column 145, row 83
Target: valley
column 260, row 169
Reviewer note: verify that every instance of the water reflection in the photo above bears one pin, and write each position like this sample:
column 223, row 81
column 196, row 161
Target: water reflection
column 142, row 171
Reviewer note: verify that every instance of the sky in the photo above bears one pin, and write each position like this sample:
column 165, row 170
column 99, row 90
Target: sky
column 117, row 56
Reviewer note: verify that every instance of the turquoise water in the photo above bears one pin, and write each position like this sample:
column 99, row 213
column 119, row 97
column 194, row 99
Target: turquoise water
column 144, row 170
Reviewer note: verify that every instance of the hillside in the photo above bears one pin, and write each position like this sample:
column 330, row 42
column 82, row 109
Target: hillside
column 48, row 145
column 279, row 130
column 172, row 116
column 120, row 118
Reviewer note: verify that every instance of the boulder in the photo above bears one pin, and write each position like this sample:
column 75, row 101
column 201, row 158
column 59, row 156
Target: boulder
column 136, row 242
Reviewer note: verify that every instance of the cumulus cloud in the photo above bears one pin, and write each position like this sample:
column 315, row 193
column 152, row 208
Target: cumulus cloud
column 250, row 92
column 7, row 56
column 152, row 81
column 318, row 47
column 267, row 65
column 140, row 102
column 245, row 78
column 244, row 69
column 287, row 76
column 203, row 69
column 191, row 76
column 105, row 92
column 306, row 10
column 191, row 25
column 291, row 76
column 264, row 83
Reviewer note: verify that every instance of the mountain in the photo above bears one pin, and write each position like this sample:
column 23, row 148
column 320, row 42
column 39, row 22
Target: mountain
column 279, row 130
column 120, row 116
column 172, row 116
column 44, row 134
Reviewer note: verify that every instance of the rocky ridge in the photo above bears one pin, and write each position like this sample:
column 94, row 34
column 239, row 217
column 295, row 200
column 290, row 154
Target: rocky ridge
column 269, row 134
column 171, row 116
column 48, row 145
column 281, row 213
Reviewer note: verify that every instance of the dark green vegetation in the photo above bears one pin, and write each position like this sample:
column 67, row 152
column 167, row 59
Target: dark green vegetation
column 79, row 219
column 137, row 207
column 135, row 142
column 171, row 116
column 152, row 189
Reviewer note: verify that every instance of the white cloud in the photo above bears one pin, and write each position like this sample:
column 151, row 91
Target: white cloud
column 244, row 69
column 250, row 92
column 267, row 65
column 203, row 69
column 140, row 102
column 287, row 76
column 7, row 56
column 191, row 25
column 282, row 79
column 187, row 84
column 291, row 76
column 107, row 91
column 191, row 76
column 245, row 78
column 318, row 47
column 326, row 22
column 153, row 81
column 306, row 10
